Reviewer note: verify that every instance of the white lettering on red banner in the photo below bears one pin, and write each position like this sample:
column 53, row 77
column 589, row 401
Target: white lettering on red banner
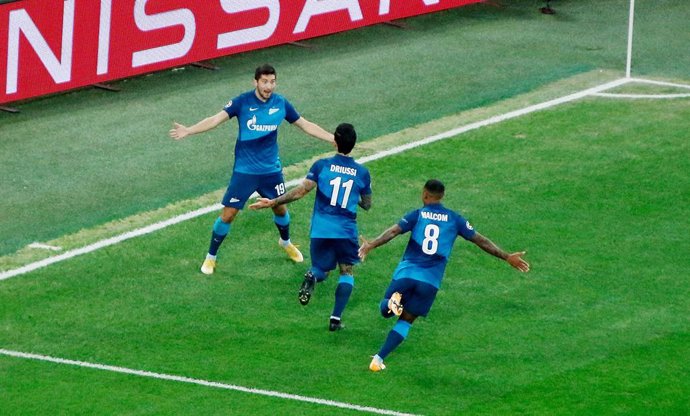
column 318, row 7
column 48, row 46
column 252, row 34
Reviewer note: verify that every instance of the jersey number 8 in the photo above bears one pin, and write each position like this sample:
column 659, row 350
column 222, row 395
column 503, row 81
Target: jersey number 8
column 430, row 243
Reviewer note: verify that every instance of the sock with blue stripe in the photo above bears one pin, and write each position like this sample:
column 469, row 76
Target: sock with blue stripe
column 283, row 224
column 342, row 294
column 395, row 337
column 220, row 230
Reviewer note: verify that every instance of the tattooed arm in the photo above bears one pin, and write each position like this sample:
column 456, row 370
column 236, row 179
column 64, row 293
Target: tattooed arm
column 514, row 259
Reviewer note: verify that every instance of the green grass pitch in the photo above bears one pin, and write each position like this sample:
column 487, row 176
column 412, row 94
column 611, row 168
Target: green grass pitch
column 599, row 325
column 596, row 191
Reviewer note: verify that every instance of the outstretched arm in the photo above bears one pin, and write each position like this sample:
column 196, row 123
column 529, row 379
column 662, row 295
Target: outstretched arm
column 179, row 132
column 382, row 239
column 292, row 195
column 314, row 130
column 514, row 259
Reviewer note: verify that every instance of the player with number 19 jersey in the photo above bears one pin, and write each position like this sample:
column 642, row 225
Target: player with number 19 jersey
column 256, row 149
column 340, row 183
column 434, row 230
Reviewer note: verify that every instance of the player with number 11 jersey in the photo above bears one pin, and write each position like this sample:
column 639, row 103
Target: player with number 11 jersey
column 342, row 185
column 340, row 181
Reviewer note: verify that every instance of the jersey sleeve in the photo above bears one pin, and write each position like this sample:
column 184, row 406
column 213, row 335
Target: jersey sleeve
column 409, row 220
column 465, row 229
column 233, row 107
column 291, row 115
column 313, row 174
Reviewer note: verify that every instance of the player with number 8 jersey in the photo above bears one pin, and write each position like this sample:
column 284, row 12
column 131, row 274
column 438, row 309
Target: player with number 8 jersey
column 412, row 291
column 434, row 229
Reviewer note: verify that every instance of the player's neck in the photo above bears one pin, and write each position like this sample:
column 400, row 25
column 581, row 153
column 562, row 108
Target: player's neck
column 259, row 97
column 429, row 200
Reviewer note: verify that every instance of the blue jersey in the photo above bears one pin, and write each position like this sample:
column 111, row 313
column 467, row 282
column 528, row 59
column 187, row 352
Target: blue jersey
column 256, row 149
column 340, row 183
column 434, row 230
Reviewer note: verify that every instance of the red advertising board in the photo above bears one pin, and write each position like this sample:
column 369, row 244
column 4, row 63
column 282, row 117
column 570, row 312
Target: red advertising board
column 47, row 46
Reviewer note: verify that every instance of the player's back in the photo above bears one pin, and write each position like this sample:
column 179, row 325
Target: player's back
column 340, row 183
column 434, row 229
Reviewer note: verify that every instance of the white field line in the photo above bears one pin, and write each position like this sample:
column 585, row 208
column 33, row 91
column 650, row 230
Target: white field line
column 496, row 119
column 108, row 242
column 663, row 83
column 45, row 246
column 205, row 383
column 641, row 96
column 395, row 150
column 648, row 96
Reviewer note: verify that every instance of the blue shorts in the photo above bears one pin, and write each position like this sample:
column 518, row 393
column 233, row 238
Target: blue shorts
column 417, row 296
column 327, row 252
column 243, row 185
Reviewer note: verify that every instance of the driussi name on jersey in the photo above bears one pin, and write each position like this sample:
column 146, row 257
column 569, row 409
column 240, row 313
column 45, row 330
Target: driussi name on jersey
column 435, row 216
column 344, row 169
column 251, row 125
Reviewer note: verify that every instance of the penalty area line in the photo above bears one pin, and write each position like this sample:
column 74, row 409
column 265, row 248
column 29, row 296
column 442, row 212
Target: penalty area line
column 205, row 383
column 497, row 119
column 379, row 155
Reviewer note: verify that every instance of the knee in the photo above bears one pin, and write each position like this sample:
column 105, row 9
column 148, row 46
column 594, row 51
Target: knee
column 346, row 269
column 228, row 215
column 280, row 210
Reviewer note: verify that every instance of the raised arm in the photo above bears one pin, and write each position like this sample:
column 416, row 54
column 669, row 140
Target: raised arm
column 179, row 132
column 382, row 239
column 314, row 130
column 514, row 259
column 292, row 195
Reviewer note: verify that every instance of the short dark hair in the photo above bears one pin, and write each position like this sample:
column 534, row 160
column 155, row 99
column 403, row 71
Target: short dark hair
column 264, row 69
column 435, row 187
column 345, row 137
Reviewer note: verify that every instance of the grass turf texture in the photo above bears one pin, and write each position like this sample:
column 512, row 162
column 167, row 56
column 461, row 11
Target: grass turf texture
column 84, row 158
column 593, row 190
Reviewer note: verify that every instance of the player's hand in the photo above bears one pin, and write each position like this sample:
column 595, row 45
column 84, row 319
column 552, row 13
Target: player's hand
column 261, row 203
column 364, row 248
column 515, row 260
column 178, row 132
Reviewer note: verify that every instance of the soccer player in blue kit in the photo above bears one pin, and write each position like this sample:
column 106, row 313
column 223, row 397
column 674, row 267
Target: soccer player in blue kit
column 433, row 230
column 257, row 164
column 342, row 185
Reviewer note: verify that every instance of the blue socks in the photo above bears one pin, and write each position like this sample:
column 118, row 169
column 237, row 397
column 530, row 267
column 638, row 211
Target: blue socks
column 395, row 337
column 220, row 230
column 283, row 224
column 342, row 294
